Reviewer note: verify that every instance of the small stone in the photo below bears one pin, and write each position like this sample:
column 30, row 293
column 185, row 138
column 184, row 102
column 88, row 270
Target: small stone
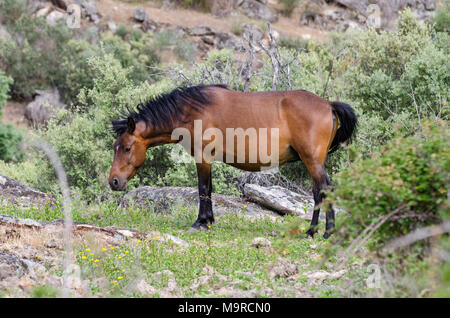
column 140, row 15
column 259, row 242
column 142, row 287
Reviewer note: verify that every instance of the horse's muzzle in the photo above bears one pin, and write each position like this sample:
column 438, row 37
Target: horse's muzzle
column 116, row 185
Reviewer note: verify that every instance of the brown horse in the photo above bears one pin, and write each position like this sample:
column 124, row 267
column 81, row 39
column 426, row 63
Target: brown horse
column 302, row 126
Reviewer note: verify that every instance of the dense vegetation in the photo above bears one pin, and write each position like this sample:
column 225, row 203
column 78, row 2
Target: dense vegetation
column 398, row 83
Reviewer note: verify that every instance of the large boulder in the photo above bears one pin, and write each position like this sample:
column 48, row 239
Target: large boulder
column 15, row 192
column 55, row 17
column 281, row 200
column 44, row 106
column 256, row 10
column 164, row 200
column 89, row 10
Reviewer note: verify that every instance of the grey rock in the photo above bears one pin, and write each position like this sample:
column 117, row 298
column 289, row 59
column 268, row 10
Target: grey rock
column 317, row 277
column 280, row 199
column 224, row 40
column 163, row 200
column 43, row 12
column 357, row 5
column 201, row 30
column 44, row 106
column 142, row 287
column 282, row 267
column 89, row 9
column 55, row 17
column 4, row 33
column 112, row 26
column 149, row 25
column 256, row 10
column 15, row 192
column 430, row 5
column 140, row 15
column 254, row 30
column 259, row 242
column 11, row 266
column 6, row 219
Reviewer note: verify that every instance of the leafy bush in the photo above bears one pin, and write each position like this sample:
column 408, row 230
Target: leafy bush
column 62, row 61
column 31, row 57
column 10, row 140
column 441, row 21
column 12, row 10
column 391, row 72
column 404, row 184
column 5, row 81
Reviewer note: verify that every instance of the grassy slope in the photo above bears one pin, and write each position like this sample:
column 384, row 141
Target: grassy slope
column 224, row 254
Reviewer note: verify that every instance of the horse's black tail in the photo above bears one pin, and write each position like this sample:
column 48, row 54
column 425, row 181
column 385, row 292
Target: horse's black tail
column 347, row 121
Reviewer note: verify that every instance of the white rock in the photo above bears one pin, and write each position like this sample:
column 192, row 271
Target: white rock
column 261, row 242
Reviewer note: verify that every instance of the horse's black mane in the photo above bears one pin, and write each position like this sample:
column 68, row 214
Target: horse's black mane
column 162, row 110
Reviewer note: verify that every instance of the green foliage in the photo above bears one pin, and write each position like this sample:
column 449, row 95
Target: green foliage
column 293, row 43
column 45, row 291
column 12, row 10
column 62, row 61
column 408, row 177
column 202, row 5
column 441, row 21
column 122, row 31
column 10, row 140
column 31, row 55
column 5, row 82
column 391, row 72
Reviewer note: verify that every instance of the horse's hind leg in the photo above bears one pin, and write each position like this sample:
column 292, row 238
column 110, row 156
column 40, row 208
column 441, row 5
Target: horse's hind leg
column 316, row 168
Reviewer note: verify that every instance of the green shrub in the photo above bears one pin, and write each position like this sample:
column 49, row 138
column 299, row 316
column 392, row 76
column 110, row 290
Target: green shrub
column 391, row 72
column 10, row 140
column 39, row 56
column 31, row 57
column 12, row 10
column 122, row 31
column 441, row 21
column 408, row 177
column 5, row 82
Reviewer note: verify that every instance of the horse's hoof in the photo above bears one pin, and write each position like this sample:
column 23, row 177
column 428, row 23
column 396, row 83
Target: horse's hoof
column 196, row 227
column 310, row 233
column 328, row 233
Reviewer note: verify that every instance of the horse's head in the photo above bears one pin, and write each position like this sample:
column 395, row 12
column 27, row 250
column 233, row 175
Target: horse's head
column 129, row 155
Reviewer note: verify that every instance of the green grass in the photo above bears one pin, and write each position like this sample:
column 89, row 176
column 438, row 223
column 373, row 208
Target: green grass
column 225, row 248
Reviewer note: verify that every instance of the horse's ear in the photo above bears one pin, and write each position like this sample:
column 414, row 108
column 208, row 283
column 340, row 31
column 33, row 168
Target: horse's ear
column 131, row 125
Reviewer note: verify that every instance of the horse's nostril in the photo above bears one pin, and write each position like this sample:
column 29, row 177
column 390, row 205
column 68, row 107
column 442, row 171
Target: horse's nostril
column 115, row 182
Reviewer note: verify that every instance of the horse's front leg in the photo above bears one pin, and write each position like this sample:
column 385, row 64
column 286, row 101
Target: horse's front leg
column 205, row 214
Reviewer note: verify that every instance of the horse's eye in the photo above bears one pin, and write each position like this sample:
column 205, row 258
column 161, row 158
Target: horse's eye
column 127, row 149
